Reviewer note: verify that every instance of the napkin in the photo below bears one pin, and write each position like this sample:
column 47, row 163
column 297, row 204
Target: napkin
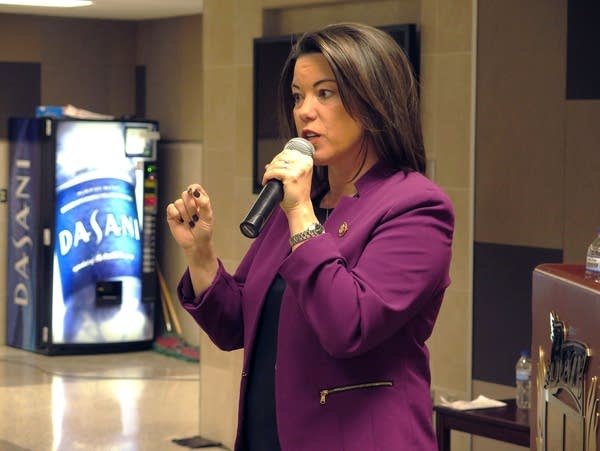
column 481, row 402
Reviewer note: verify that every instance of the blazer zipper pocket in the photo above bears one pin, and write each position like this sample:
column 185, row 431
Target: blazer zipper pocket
column 330, row 391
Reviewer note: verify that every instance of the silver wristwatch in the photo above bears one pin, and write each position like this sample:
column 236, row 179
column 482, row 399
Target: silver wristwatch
column 315, row 229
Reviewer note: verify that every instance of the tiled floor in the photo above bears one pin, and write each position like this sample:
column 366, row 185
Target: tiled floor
column 137, row 401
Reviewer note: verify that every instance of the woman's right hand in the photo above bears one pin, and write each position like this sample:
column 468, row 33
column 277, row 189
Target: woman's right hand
column 190, row 219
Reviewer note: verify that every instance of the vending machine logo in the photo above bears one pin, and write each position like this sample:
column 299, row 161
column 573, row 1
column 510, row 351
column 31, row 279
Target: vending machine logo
column 98, row 232
column 23, row 277
column 127, row 227
column 21, row 235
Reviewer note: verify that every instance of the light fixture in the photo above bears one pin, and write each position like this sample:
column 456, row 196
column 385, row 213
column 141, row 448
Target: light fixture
column 47, row 3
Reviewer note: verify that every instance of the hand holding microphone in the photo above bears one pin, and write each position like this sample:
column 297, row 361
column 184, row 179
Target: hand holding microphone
column 271, row 194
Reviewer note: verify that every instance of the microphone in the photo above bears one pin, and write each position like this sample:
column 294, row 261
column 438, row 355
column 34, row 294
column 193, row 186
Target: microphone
column 271, row 194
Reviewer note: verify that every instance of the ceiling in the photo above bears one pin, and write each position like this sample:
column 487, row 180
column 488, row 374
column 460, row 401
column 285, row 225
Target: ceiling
column 117, row 9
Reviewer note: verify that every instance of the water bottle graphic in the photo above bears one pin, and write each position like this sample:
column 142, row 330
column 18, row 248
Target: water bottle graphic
column 97, row 239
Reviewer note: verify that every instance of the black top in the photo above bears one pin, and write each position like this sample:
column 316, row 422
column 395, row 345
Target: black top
column 260, row 425
column 260, row 422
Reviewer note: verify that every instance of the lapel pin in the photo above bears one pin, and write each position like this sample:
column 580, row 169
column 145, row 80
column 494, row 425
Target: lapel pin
column 342, row 229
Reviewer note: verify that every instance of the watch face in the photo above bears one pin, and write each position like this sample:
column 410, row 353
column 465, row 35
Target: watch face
column 315, row 228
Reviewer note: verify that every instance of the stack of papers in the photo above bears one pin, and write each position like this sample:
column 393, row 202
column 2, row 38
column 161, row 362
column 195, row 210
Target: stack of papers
column 481, row 402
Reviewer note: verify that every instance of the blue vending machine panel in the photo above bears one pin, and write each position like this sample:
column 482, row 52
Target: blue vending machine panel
column 24, row 242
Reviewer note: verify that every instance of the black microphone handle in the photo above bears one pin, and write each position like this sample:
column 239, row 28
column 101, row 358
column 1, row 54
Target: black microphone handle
column 270, row 195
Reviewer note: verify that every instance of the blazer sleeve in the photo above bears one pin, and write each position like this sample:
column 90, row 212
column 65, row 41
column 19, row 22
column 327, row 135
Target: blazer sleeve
column 396, row 284
column 218, row 310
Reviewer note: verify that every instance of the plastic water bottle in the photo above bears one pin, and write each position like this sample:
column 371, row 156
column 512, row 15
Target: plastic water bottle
column 523, row 379
column 592, row 262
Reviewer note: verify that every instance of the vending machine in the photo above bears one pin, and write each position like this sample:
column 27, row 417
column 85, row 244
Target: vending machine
column 81, row 235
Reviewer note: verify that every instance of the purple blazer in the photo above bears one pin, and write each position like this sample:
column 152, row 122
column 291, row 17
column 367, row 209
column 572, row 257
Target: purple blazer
column 352, row 370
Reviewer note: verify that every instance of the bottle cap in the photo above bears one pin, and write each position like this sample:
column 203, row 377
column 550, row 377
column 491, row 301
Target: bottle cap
column 525, row 353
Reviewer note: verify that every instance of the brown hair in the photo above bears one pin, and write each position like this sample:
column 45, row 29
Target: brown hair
column 377, row 88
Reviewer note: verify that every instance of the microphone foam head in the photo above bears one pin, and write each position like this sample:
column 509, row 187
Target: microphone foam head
column 301, row 145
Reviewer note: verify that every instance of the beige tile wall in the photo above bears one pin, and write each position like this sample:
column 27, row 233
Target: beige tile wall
column 28, row 46
column 81, row 69
column 582, row 177
column 521, row 123
column 287, row 20
column 227, row 150
column 520, row 135
column 182, row 160
column 171, row 51
column 447, row 62
column 447, row 66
